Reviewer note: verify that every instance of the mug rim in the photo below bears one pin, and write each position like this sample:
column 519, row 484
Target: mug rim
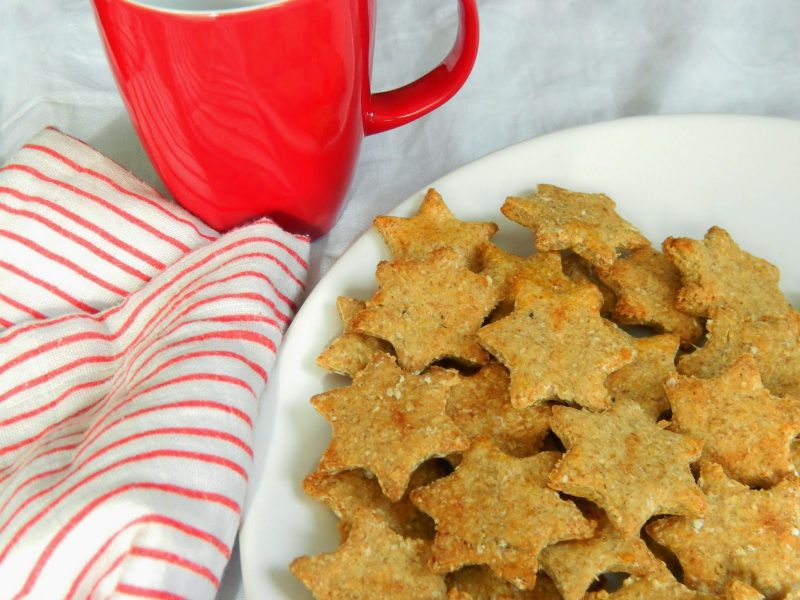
column 156, row 6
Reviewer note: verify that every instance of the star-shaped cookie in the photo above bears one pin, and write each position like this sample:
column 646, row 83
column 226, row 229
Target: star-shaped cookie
column 773, row 342
column 497, row 510
column 480, row 406
column 576, row 564
column 746, row 534
column 434, row 227
column 745, row 429
column 504, row 269
column 646, row 285
column 556, row 345
column 626, row 464
column 347, row 492
column 717, row 273
column 642, row 381
column 389, row 421
column 351, row 351
column 428, row 309
column 373, row 562
column 587, row 224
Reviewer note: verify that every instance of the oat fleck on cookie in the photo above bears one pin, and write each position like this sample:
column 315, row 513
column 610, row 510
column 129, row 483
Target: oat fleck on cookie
column 556, row 345
column 746, row 534
column 576, row 564
column 646, row 285
column 389, row 421
column 496, row 510
column 717, row 274
column 428, row 309
column 480, row 406
column 351, row 351
column 626, row 464
column 774, row 342
column 434, row 227
column 373, row 562
column 642, row 381
column 587, row 224
column 745, row 429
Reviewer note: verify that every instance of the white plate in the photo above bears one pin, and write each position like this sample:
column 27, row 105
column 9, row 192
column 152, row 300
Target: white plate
column 675, row 175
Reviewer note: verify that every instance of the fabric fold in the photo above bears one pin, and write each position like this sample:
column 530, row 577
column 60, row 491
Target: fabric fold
column 126, row 428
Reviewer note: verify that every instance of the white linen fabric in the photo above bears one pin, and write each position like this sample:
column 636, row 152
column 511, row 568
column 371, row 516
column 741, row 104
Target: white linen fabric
column 543, row 65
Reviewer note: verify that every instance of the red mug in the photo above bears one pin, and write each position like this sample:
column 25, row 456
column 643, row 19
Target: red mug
column 249, row 109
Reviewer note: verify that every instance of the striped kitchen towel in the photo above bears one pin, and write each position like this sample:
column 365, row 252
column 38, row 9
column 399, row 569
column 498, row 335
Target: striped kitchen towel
column 135, row 344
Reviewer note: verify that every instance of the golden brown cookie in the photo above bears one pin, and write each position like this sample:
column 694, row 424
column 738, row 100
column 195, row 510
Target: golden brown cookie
column 626, row 464
column 503, row 269
column 480, row 406
column 373, row 562
column 347, row 492
column 642, row 381
column 497, row 510
column 744, row 428
column 665, row 588
column 576, row 564
column 750, row 535
column 556, row 345
column 389, row 421
column 646, row 285
column 428, row 309
column 580, row 271
column 587, row 224
column 479, row 583
column 718, row 274
column 351, row 351
column 434, row 227
column 773, row 342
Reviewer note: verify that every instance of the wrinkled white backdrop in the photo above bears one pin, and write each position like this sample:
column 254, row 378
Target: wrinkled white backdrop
column 543, row 65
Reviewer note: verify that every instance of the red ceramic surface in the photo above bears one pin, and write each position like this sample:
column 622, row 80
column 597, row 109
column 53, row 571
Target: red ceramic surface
column 261, row 111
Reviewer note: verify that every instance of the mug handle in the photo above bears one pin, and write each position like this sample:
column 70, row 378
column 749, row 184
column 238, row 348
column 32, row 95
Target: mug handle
column 387, row 110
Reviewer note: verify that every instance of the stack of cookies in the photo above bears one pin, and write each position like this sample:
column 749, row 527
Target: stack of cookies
column 598, row 419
